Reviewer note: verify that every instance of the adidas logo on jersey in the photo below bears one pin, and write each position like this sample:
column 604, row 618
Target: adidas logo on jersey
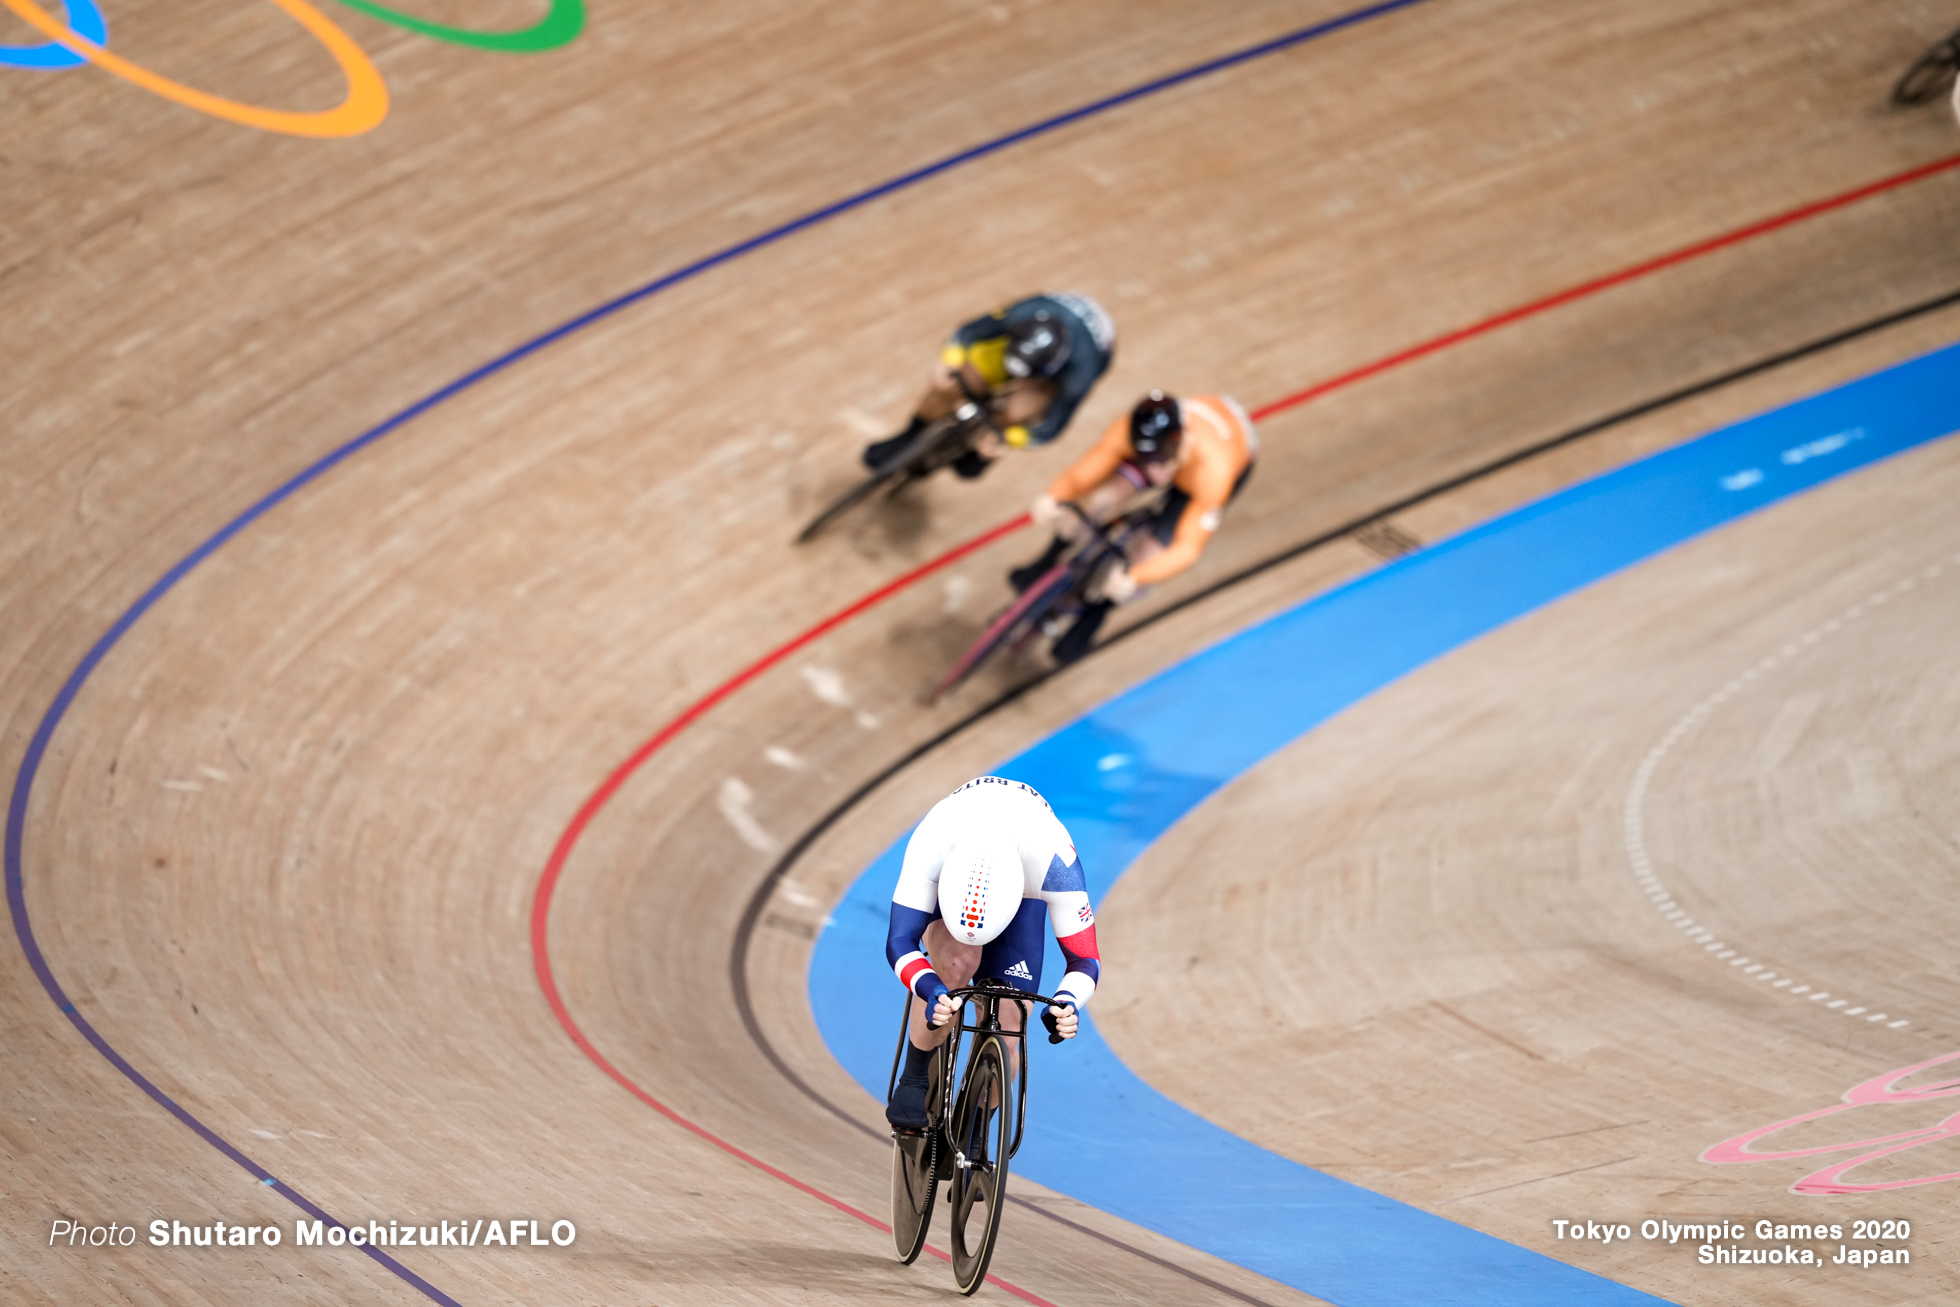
column 1020, row 971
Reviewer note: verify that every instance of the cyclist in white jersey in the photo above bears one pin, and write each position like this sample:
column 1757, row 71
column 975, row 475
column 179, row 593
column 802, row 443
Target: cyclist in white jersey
column 983, row 869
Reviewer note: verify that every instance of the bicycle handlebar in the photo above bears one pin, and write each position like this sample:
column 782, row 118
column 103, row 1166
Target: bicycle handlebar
column 1002, row 991
column 1150, row 497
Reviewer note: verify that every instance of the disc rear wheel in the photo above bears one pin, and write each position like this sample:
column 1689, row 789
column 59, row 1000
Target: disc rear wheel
column 915, row 1173
column 983, row 1128
column 913, row 1184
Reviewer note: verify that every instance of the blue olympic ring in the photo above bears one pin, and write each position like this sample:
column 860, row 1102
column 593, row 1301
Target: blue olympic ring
column 84, row 19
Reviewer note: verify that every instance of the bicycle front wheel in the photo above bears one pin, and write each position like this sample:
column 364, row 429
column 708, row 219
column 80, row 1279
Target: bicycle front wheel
column 850, row 499
column 983, row 1128
column 1930, row 74
column 1014, row 621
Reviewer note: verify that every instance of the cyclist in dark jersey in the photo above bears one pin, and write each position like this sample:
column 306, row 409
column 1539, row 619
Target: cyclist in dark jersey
column 1035, row 361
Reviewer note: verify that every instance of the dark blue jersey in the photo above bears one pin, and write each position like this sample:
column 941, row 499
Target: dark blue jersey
column 1091, row 346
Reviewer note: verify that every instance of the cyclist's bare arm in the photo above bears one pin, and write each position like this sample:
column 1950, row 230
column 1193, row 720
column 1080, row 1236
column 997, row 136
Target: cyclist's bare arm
column 1096, row 466
column 1185, row 549
column 1210, row 487
column 950, row 388
column 1019, row 403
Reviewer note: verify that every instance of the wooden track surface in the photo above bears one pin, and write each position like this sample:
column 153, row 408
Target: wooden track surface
column 283, row 849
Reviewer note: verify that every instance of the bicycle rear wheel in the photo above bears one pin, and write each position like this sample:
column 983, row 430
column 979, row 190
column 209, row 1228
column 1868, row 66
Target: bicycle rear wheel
column 916, row 1162
column 983, row 1128
column 1014, row 621
column 1930, row 74
column 915, row 1181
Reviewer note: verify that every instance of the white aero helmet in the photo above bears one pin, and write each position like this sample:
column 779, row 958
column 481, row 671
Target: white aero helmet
column 980, row 887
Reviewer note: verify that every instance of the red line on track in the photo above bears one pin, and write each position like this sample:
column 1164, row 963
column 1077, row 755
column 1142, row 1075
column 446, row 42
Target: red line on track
column 562, row 851
column 1620, row 278
column 541, row 904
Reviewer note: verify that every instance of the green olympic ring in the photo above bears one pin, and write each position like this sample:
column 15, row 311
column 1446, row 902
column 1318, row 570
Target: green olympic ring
column 559, row 27
column 84, row 37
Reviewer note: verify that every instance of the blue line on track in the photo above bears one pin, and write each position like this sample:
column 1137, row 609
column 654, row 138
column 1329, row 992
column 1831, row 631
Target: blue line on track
column 37, row 747
column 1125, row 773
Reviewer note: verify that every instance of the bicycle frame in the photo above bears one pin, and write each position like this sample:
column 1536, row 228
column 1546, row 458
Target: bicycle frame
column 1110, row 541
column 949, row 437
column 1061, row 591
column 987, row 996
column 1127, row 520
column 942, row 443
column 946, row 439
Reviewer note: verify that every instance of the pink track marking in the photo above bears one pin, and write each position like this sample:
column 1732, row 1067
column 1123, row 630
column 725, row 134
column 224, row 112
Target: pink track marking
column 1878, row 1091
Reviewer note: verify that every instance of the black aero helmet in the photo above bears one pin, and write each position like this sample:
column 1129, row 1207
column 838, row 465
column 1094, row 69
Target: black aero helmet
column 1156, row 427
column 1037, row 346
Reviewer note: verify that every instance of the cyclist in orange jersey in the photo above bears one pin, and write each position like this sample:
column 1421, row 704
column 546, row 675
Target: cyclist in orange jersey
column 1201, row 447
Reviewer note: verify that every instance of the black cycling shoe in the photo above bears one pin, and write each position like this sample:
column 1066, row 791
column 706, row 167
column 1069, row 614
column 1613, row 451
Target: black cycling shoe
column 879, row 453
column 907, row 1110
column 971, row 464
column 1023, row 577
column 1075, row 641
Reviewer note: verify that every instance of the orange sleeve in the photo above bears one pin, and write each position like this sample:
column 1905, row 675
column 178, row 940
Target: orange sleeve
column 1208, row 497
column 1096, row 466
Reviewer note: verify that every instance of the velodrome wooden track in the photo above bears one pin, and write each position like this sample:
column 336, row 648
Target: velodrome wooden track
column 283, row 848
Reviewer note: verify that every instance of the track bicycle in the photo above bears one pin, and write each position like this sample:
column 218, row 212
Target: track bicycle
column 1063, row 591
column 940, row 443
column 975, row 1132
column 1930, row 74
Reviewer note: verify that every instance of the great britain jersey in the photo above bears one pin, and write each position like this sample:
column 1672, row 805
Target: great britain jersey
column 1052, row 871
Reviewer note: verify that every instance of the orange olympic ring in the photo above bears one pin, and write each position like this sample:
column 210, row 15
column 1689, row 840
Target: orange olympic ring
column 363, row 109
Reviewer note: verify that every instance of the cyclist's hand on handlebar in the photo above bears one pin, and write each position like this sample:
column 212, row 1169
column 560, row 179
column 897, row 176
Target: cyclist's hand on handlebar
column 944, row 1009
column 957, row 376
column 1065, row 520
column 1119, row 587
column 1061, row 1021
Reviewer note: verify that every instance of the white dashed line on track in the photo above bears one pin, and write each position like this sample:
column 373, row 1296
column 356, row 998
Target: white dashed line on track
column 1635, row 812
column 734, row 799
column 959, row 589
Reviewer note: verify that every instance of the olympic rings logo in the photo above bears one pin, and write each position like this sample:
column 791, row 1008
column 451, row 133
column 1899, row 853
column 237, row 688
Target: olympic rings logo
column 1878, row 1091
column 84, row 39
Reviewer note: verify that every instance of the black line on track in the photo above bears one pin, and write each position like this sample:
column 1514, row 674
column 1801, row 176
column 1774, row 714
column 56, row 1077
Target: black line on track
column 752, row 913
